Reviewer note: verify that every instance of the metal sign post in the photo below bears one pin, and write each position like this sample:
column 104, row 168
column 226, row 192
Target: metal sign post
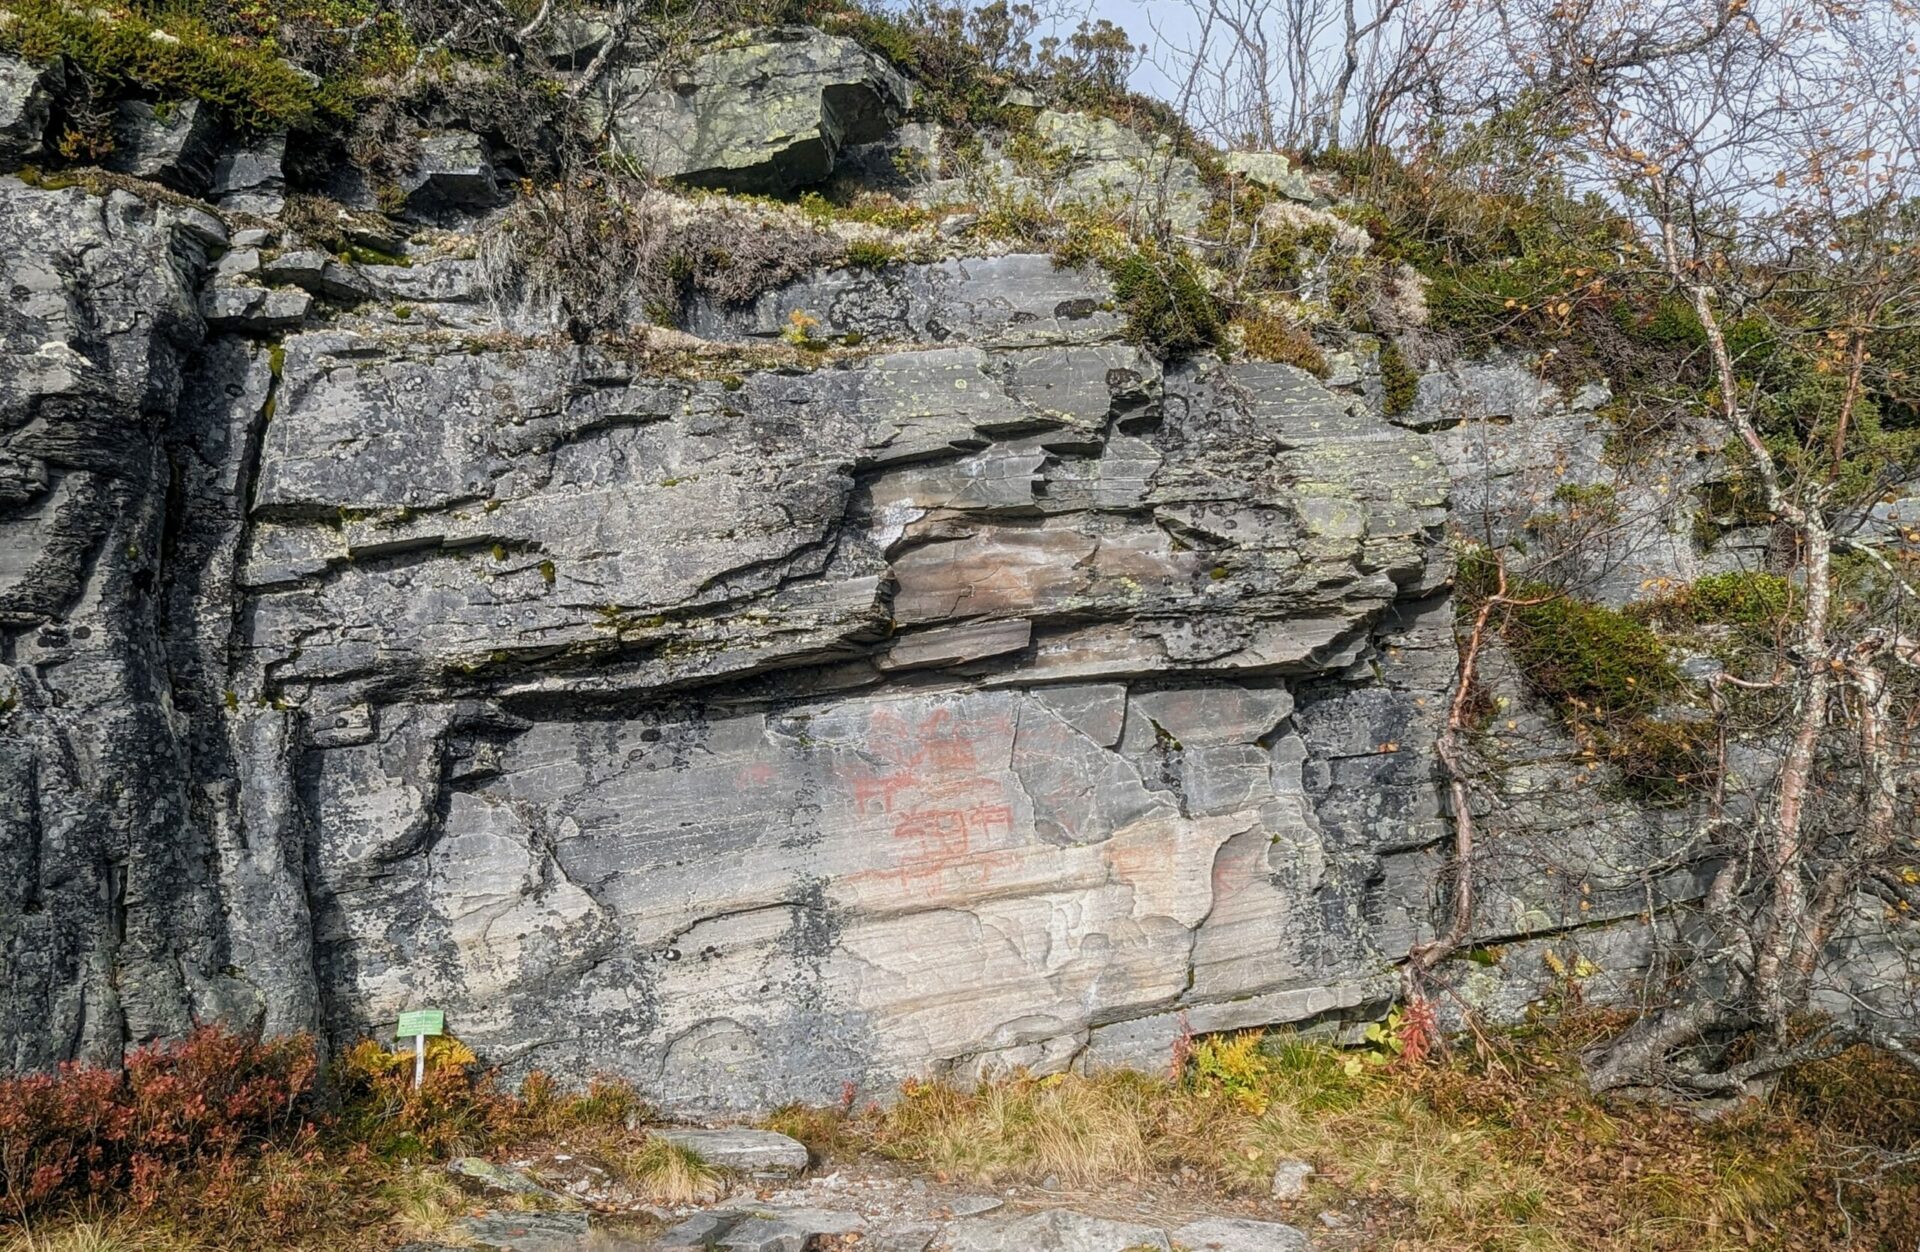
column 420, row 1023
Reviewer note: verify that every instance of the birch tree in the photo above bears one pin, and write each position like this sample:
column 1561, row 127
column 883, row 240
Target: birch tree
column 1767, row 156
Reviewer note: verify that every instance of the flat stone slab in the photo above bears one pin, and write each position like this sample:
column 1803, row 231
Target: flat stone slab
column 975, row 1205
column 1053, row 1230
column 748, row 1151
column 483, row 1177
column 529, row 1232
column 702, row 1230
column 1239, row 1234
column 764, row 1234
column 904, row 1237
column 815, row 1221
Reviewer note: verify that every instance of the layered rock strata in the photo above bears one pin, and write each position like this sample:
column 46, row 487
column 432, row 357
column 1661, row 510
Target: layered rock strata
column 990, row 693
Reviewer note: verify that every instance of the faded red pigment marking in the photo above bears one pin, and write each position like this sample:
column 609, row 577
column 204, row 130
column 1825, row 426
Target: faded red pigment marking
column 943, row 859
column 924, row 780
column 756, row 775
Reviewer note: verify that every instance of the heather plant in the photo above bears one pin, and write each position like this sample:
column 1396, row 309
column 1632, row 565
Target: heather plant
column 199, row 1104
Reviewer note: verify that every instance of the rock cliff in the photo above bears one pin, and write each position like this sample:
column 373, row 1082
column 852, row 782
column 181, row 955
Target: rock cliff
column 986, row 691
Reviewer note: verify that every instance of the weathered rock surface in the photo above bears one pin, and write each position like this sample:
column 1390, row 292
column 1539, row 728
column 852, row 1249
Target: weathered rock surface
column 508, row 587
column 111, row 925
column 762, row 113
column 27, row 94
column 757, row 1152
column 175, row 143
column 997, row 696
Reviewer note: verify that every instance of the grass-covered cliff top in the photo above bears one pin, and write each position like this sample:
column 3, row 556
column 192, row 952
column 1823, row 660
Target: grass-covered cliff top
column 1473, row 242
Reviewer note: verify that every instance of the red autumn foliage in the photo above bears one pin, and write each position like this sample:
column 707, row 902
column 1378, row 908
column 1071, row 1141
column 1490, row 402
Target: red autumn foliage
column 196, row 1104
column 1419, row 1029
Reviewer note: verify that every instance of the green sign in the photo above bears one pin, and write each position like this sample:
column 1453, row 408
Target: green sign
column 422, row 1022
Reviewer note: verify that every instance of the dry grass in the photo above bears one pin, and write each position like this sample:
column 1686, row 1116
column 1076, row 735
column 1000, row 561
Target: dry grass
column 824, row 1131
column 1501, row 1150
column 667, row 1173
column 98, row 1234
column 426, row 1206
column 1494, row 1149
column 1080, row 1131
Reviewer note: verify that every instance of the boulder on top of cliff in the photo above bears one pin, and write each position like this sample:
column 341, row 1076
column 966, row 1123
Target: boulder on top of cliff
column 26, row 105
column 454, row 173
column 1085, row 159
column 768, row 112
column 1108, row 162
column 172, row 141
column 252, row 179
column 1271, row 170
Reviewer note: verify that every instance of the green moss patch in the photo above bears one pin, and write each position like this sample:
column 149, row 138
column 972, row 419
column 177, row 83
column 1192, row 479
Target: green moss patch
column 1738, row 598
column 1399, row 381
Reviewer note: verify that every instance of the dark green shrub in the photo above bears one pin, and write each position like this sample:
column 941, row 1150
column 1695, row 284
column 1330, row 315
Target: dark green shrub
column 180, row 53
column 1167, row 306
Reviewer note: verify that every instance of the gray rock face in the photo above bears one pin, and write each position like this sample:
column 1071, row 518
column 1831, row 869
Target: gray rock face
column 763, row 112
column 174, row 143
column 989, row 695
column 124, row 801
column 27, row 93
column 318, row 273
column 454, row 173
column 250, row 178
column 654, row 767
column 995, row 697
column 254, row 310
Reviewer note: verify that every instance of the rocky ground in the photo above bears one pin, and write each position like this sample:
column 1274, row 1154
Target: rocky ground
column 879, row 1206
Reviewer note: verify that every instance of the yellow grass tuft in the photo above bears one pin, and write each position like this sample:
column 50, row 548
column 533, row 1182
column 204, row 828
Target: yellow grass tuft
column 426, row 1206
column 668, row 1173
